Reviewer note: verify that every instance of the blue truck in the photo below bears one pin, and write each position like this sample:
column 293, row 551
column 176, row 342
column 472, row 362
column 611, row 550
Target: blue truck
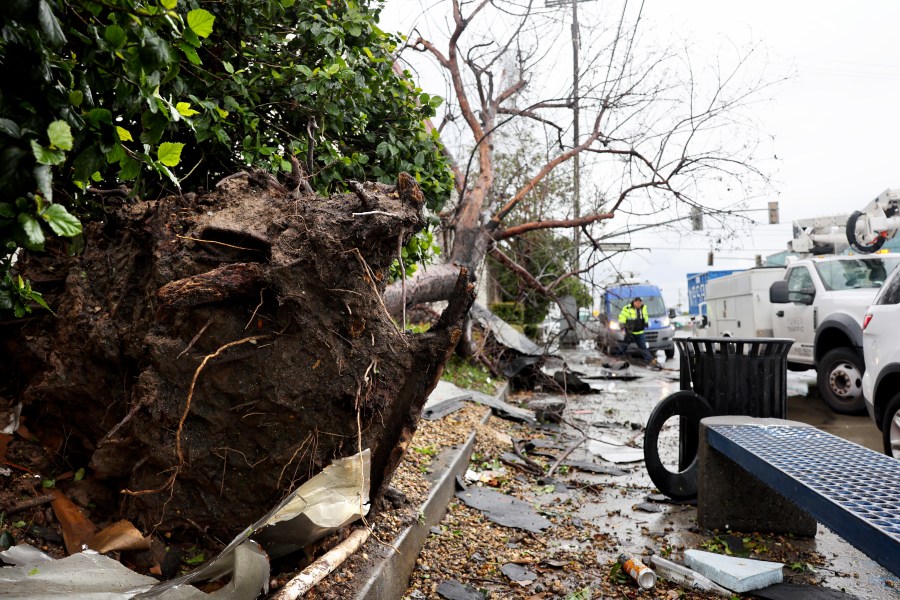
column 660, row 333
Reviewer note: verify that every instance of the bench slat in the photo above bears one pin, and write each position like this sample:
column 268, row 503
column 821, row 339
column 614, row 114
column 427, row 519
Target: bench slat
column 852, row 490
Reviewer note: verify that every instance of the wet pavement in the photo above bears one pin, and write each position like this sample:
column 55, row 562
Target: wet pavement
column 806, row 406
column 618, row 408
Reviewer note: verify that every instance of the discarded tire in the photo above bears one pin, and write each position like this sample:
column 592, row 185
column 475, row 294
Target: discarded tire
column 691, row 407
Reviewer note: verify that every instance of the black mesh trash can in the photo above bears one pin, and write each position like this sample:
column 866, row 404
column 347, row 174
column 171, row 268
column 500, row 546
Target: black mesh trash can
column 741, row 377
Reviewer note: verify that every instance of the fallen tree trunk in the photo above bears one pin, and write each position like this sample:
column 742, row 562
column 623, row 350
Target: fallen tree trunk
column 210, row 353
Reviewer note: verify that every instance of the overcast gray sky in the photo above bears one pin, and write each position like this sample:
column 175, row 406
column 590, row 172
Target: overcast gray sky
column 833, row 126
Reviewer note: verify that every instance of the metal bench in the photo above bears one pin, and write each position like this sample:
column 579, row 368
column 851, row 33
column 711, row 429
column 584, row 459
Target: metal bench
column 793, row 475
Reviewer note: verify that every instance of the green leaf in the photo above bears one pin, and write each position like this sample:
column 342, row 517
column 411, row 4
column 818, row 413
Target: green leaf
column 44, row 180
column 115, row 35
column 61, row 222
column 10, row 128
column 124, row 134
column 191, row 38
column 60, row 135
column 34, row 237
column 190, row 53
column 169, row 4
column 228, row 66
column 7, row 211
column 169, row 153
column 354, row 29
column 129, row 170
column 154, row 53
column 48, row 483
column 201, row 22
column 185, row 110
column 98, row 116
column 76, row 97
column 164, row 170
column 195, row 560
column 49, row 25
column 46, row 156
column 79, row 474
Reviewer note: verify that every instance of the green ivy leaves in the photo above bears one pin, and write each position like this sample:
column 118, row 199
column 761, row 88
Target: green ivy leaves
column 130, row 92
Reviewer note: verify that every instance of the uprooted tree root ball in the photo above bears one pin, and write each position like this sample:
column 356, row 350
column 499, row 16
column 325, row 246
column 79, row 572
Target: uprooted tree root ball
column 210, row 353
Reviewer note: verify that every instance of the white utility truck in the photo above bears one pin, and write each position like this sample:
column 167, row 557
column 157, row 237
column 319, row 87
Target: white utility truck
column 737, row 305
column 818, row 301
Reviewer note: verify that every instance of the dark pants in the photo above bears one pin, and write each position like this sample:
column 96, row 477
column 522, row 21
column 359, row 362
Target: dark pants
column 640, row 341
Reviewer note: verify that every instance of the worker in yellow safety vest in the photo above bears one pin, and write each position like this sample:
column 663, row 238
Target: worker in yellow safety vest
column 633, row 318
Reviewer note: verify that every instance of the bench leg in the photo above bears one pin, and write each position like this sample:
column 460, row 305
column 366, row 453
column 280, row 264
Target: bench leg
column 728, row 497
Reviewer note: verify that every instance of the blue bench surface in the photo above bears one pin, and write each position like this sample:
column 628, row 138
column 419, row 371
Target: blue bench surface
column 852, row 490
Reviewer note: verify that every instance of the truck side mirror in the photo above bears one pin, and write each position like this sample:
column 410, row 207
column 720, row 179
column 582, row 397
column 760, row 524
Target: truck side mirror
column 672, row 313
column 805, row 296
column 778, row 292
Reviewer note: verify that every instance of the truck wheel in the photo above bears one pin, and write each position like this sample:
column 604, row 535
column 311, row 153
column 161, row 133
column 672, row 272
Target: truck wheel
column 670, row 353
column 890, row 427
column 691, row 407
column 840, row 380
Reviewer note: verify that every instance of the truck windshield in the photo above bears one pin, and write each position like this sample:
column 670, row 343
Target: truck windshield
column 858, row 273
column 655, row 306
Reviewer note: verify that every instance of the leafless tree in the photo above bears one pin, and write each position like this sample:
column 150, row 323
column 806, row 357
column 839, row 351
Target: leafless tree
column 662, row 134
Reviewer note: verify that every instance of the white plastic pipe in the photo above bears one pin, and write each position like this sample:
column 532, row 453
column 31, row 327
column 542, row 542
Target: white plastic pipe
column 685, row 576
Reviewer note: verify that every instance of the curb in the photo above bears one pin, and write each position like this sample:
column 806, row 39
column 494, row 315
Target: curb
column 389, row 579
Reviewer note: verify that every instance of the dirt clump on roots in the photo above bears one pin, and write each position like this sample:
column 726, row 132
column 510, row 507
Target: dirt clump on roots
column 209, row 353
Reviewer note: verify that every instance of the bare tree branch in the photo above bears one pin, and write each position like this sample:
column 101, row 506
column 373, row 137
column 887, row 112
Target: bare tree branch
column 517, row 230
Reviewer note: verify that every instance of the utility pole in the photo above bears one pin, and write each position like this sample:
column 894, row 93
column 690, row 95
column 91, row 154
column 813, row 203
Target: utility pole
column 576, row 135
column 576, row 131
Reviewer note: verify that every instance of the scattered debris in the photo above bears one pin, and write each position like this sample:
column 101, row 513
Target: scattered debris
column 505, row 410
column 119, row 537
column 683, row 575
column 328, row 562
column 589, row 467
column 519, row 574
column 627, row 375
column 332, row 499
column 505, row 333
column 648, row 507
column 637, row 570
column 737, row 574
column 615, row 454
column 571, row 383
column 503, row 509
column 548, row 410
column 446, row 398
column 454, row 590
column 11, row 416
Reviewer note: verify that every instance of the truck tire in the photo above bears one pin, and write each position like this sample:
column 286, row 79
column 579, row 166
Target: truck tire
column 839, row 377
column 691, row 407
column 670, row 353
column 890, row 427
